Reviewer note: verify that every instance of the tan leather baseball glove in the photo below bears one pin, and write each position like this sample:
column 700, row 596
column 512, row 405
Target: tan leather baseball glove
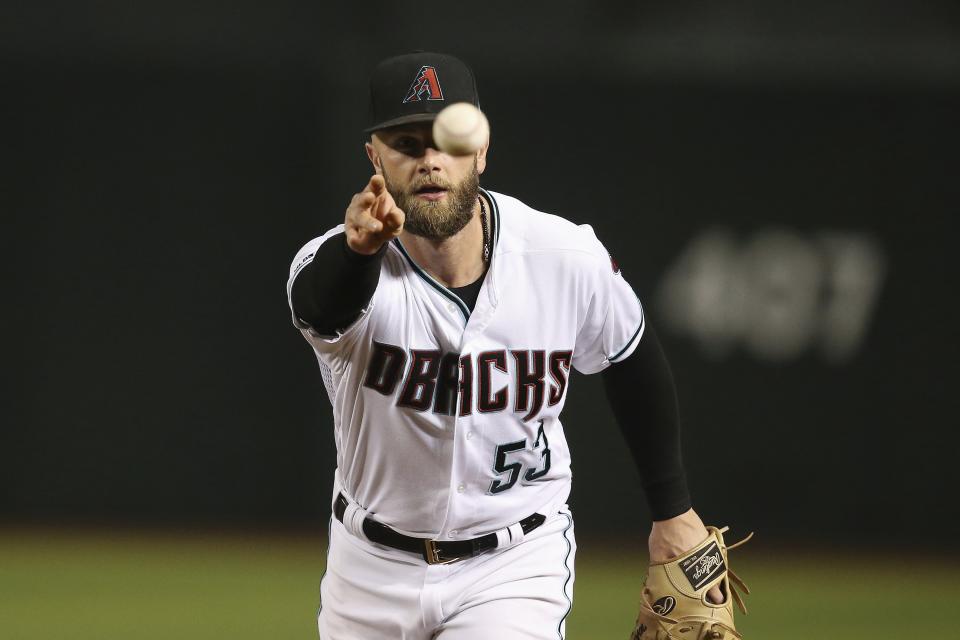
column 674, row 603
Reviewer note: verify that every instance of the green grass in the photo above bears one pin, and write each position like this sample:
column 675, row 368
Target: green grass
column 794, row 596
column 93, row 585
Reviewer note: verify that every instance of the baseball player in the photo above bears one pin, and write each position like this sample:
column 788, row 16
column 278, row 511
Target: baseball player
column 446, row 319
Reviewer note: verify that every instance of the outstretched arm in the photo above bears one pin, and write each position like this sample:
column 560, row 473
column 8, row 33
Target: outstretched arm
column 330, row 292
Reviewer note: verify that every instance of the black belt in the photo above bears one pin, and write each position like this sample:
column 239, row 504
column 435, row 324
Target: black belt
column 433, row 552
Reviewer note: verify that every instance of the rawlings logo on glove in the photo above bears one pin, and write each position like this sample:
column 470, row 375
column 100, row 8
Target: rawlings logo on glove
column 674, row 604
column 702, row 566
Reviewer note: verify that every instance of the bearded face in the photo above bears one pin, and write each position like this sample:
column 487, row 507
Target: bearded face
column 433, row 217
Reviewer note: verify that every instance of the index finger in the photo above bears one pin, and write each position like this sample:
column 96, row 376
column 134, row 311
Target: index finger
column 377, row 185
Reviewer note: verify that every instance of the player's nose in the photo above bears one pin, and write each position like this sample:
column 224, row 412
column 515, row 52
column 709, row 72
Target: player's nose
column 430, row 160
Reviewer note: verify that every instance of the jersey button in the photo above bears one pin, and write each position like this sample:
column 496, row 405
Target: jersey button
column 451, row 308
column 453, row 534
column 469, row 435
column 461, row 488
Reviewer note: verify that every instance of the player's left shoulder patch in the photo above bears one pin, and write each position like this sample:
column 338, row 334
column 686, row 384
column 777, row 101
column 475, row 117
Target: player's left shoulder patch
column 613, row 263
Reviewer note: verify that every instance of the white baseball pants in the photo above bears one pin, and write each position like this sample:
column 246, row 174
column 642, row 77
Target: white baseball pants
column 372, row 592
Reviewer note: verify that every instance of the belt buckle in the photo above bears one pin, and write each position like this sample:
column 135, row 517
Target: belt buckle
column 432, row 554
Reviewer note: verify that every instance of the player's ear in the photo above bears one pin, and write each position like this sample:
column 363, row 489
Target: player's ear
column 374, row 158
column 482, row 156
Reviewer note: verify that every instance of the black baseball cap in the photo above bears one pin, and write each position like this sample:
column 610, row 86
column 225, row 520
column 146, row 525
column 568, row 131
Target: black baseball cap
column 415, row 87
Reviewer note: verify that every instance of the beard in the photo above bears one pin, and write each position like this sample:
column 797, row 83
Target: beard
column 441, row 219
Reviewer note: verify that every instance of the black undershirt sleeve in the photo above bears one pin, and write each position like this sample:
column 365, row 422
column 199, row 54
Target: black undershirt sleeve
column 331, row 291
column 644, row 400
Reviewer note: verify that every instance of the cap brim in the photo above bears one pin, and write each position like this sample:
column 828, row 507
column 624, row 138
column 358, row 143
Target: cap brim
column 415, row 117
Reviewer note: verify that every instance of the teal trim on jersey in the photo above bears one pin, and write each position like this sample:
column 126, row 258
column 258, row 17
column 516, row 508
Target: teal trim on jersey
column 566, row 564
column 495, row 235
column 494, row 218
column 643, row 320
column 464, row 309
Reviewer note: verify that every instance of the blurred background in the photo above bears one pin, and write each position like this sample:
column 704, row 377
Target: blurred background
column 777, row 180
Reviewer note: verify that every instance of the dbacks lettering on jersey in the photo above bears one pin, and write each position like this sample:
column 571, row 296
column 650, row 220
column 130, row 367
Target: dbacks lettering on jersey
column 447, row 382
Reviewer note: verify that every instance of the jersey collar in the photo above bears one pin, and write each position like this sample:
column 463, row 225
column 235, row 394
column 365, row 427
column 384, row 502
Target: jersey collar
column 494, row 239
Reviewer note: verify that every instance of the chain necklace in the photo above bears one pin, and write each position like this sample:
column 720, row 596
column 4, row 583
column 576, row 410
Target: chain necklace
column 486, row 230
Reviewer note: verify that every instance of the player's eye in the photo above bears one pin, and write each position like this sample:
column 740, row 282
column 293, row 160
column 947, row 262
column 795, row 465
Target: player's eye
column 406, row 144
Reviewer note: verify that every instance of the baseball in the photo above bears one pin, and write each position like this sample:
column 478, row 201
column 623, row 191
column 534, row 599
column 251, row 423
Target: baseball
column 460, row 129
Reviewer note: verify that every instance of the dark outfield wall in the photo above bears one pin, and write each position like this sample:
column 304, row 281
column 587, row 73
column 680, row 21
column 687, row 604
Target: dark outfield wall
column 793, row 240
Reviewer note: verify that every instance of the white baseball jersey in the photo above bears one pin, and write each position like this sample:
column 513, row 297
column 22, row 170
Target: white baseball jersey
column 447, row 421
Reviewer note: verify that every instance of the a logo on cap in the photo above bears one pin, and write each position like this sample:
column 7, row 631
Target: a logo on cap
column 425, row 83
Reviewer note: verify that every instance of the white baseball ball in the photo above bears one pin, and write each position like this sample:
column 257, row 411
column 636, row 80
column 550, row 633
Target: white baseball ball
column 460, row 129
